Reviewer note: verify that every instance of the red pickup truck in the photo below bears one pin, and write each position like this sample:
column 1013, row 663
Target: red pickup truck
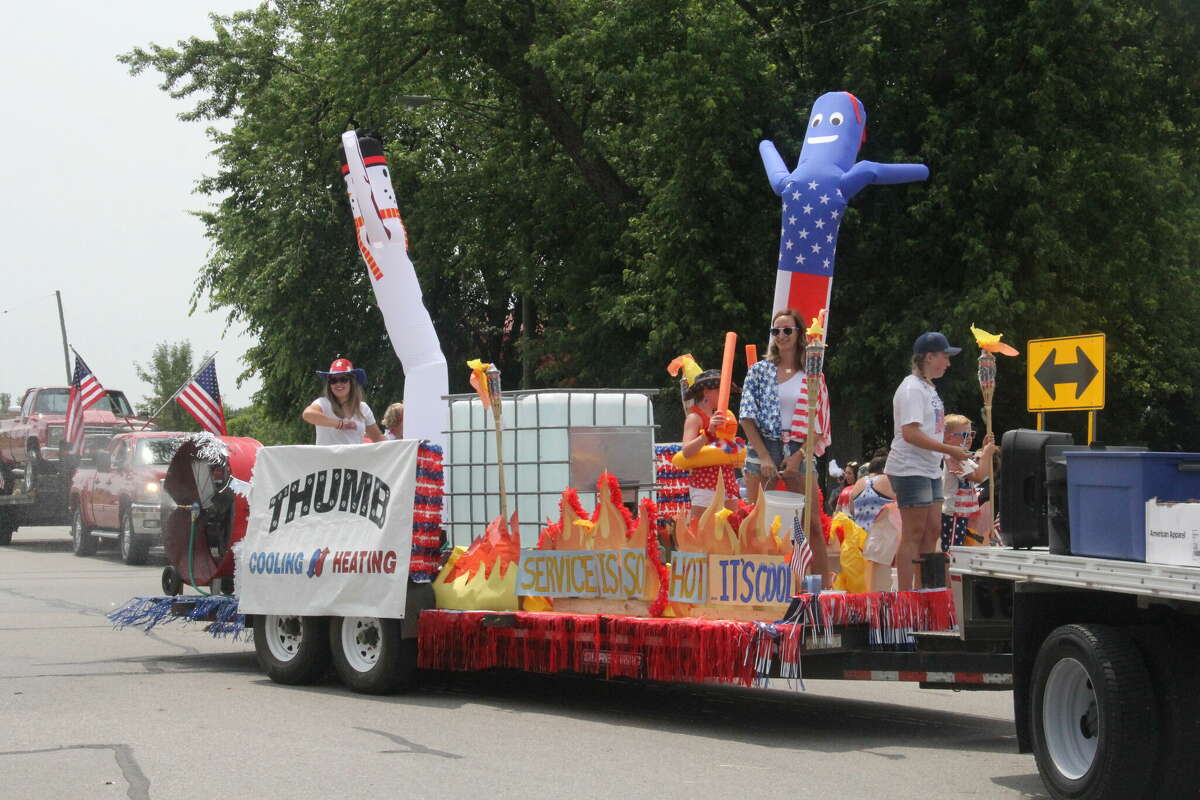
column 30, row 443
column 117, row 493
column 37, row 432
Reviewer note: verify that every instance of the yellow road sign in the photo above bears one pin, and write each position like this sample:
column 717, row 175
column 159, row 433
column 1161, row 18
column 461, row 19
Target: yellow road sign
column 1066, row 374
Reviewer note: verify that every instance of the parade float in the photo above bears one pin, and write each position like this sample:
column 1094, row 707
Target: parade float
column 338, row 554
column 338, row 558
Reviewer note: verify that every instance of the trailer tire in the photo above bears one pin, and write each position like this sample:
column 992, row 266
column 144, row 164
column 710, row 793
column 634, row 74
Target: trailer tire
column 1094, row 715
column 82, row 541
column 370, row 655
column 1171, row 658
column 134, row 547
column 292, row 650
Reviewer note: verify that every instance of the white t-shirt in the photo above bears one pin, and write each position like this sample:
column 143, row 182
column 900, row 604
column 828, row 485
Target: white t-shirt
column 916, row 401
column 351, row 434
column 789, row 394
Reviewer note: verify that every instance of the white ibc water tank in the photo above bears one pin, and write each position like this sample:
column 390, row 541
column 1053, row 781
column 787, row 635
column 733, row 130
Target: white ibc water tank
column 537, row 453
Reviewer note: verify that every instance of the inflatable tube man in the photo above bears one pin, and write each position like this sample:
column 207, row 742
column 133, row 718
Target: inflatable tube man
column 383, row 243
column 815, row 195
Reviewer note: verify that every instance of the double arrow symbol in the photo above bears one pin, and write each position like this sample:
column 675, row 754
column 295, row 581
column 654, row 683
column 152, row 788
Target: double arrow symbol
column 1080, row 373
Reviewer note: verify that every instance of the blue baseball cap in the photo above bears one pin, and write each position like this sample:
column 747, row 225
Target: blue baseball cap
column 934, row 342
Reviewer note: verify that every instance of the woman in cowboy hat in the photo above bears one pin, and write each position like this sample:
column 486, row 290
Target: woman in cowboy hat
column 341, row 416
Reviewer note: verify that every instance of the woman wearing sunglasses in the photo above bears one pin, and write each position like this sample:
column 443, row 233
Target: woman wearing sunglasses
column 341, row 416
column 774, row 416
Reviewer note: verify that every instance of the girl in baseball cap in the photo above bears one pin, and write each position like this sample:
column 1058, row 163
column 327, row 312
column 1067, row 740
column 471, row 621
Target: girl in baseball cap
column 914, row 463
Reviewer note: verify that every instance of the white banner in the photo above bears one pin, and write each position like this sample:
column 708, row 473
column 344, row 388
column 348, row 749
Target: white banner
column 330, row 531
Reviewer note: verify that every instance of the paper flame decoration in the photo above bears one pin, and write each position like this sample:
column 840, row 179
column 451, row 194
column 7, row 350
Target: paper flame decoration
column 990, row 342
column 611, row 527
column 817, row 329
column 485, row 380
column 484, row 575
column 814, row 351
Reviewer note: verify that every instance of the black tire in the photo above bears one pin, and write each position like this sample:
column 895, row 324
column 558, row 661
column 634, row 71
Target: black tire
column 82, row 541
column 134, row 546
column 292, row 650
column 1095, row 721
column 8, row 524
column 370, row 655
column 172, row 582
column 1171, row 656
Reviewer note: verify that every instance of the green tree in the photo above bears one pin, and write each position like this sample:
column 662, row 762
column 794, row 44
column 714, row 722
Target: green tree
column 5, row 402
column 253, row 421
column 582, row 191
column 169, row 368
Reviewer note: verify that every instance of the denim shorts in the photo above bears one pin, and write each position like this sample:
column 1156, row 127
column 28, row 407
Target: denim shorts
column 916, row 490
column 775, row 451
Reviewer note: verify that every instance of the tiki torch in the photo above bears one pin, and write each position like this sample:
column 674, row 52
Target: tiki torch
column 989, row 345
column 814, row 364
column 485, row 379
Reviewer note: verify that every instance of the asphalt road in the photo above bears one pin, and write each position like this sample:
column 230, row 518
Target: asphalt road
column 89, row 712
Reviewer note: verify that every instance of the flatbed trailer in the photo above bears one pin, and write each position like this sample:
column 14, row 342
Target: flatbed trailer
column 1105, row 665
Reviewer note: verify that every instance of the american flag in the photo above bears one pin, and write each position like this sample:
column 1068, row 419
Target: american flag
column 202, row 399
column 812, row 214
column 802, row 555
column 85, row 392
column 798, row 428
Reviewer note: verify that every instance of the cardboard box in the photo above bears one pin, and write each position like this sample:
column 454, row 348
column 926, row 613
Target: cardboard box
column 1173, row 532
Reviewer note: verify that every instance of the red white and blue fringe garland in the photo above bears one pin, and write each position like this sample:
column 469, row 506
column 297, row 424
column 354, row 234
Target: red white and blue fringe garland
column 219, row 611
column 674, row 649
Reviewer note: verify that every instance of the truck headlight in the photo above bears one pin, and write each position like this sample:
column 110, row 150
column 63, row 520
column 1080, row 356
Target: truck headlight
column 150, row 492
column 54, row 435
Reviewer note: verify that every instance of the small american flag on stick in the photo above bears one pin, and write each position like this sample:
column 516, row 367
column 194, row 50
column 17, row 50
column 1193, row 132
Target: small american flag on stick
column 802, row 554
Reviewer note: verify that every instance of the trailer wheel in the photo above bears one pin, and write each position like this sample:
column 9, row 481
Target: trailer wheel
column 369, row 654
column 134, row 548
column 82, row 541
column 292, row 650
column 1094, row 715
column 172, row 582
column 1171, row 657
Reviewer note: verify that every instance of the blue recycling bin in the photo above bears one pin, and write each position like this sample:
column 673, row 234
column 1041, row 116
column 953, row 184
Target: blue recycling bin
column 1108, row 491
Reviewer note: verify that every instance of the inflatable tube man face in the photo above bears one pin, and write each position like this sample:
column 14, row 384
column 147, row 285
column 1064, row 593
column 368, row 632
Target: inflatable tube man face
column 837, row 128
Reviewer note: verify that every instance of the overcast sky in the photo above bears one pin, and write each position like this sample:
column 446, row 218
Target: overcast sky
column 98, row 179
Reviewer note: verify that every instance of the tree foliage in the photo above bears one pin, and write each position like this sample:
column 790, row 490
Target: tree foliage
column 169, row 368
column 584, row 201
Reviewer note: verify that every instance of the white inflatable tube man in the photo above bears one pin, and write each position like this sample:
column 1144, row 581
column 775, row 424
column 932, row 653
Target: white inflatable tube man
column 383, row 243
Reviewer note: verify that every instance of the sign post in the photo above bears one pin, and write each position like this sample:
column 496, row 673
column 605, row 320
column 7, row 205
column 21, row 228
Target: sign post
column 1067, row 374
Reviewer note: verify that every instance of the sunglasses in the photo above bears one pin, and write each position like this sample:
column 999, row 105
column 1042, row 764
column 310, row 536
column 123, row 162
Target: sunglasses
column 964, row 435
column 782, row 331
column 342, row 379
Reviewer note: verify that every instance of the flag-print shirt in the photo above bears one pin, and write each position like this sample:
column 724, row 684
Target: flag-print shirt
column 760, row 403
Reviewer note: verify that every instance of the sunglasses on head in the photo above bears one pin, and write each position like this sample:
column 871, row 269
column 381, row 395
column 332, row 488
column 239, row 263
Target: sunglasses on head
column 339, row 379
column 782, row 331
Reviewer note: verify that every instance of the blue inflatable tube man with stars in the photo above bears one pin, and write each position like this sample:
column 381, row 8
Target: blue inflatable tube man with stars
column 814, row 197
